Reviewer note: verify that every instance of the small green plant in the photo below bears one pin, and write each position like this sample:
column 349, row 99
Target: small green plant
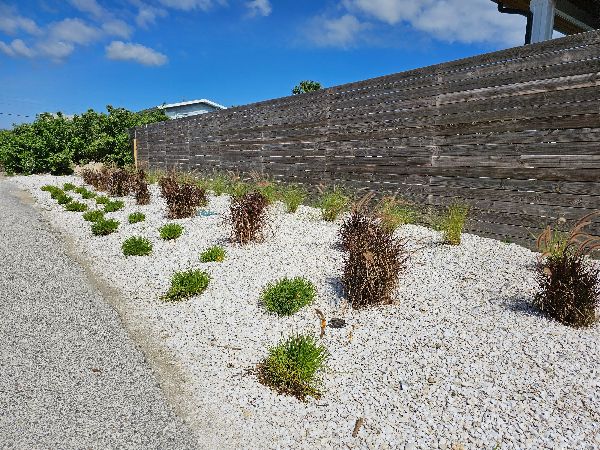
column 104, row 227
column 76, row 206
column 187, row 284
column 294, row 367
column 393, row 213
column 85, row 193
column 170, row 231
column 292, row 197
column 63, row 199
column 333, row 203
column 69, row 187
column 453, row 223
column 238, row 188
column 136, row 217
column 114, row 205
column 213, row 254
column 269, row 191
column 93, row 216
column 136, row 246
column 50, row 189
column 287, row 296
column 218, row 184
column 102, row 200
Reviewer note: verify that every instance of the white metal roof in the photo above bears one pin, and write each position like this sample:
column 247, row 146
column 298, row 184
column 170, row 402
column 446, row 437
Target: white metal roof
column 192, row 102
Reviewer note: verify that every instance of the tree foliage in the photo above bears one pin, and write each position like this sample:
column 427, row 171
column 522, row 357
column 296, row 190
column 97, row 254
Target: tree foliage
column 306, row 86
column 54, row 143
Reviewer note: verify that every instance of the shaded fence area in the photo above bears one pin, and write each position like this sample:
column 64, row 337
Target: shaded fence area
column 515, row 134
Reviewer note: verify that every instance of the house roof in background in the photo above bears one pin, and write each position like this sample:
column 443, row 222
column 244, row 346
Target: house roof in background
column 192, row 102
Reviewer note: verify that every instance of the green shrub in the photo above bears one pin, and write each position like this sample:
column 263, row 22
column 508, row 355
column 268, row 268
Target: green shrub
column 76, row 206
column 213, row 254
column 453, row 223
column 102, row 200
column 103, row 227
column 333, row 203
column 287, row 296
column 56, row 193
column 50, row 189
column 114, row 205
column 218, row 184
column 293, row 196
column 238, row 189
column 170, row 231
column 63, row 199
column 268, row 190
column 136, row 217
column 136, row 246
column 93, row 216
column 187, row 284
column 294, row 367
column 69, row 187
column 568, row 284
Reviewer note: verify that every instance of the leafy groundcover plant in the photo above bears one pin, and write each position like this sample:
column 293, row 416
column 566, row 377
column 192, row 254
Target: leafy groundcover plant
column 62, row 198
column 294, row 367
column 333, row 204
column 85, row 193
column 93, row 216
column 213, row 254
column 136, row 217
column 287, row 296
column 248, row 215
column 69, row 187
column 170, row 231
column 104, row 227
column 136, row 246
column 76, row 206
column 568, row 284
column 114, row 205
column 102, row 200
column 374, row 259
column 187, row 284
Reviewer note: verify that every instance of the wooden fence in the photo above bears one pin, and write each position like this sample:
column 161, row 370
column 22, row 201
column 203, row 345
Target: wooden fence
column 514, row 133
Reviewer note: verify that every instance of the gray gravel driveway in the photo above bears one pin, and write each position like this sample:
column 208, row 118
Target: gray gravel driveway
column 70, row 376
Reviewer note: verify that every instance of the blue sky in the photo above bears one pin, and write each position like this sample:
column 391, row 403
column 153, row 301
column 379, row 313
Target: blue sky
column 71, row 55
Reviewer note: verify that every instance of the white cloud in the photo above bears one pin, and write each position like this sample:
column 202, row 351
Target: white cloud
column 188, row 5
column 121, row 51
column 340, row 32
column 11, row 23
column 74, row 31
column 465, row 21
column 117, row 28
column 147, row 15
column 259, row 7
column 55, row 50
column 89, row 6
column 16, row 48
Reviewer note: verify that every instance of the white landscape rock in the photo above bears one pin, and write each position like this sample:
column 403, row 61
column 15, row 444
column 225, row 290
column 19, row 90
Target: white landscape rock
column 459, row 361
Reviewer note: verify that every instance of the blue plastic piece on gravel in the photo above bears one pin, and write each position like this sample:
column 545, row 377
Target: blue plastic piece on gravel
column 206, row 213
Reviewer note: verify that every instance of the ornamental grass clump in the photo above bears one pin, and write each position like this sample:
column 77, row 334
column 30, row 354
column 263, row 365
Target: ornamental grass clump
column 93, row 216
column 76, row 206
column 292, row 197
column 287, row 296
column 183, row 199
column 119, row 183
column 568, row 284
column 269, row 190
column 187, row 284
column 453, row 222
column 136, row 246
column 114, row 205
column 213, row 254
column 248, row 215
column 218, row 184
column 136, row 217
column 374, row 258
column 394, row 213
column 170, row 231
column 294, row 367
column 103, row 227
column 333, row 204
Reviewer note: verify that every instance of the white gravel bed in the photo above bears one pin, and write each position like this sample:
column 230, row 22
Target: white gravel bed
column 459, row 360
